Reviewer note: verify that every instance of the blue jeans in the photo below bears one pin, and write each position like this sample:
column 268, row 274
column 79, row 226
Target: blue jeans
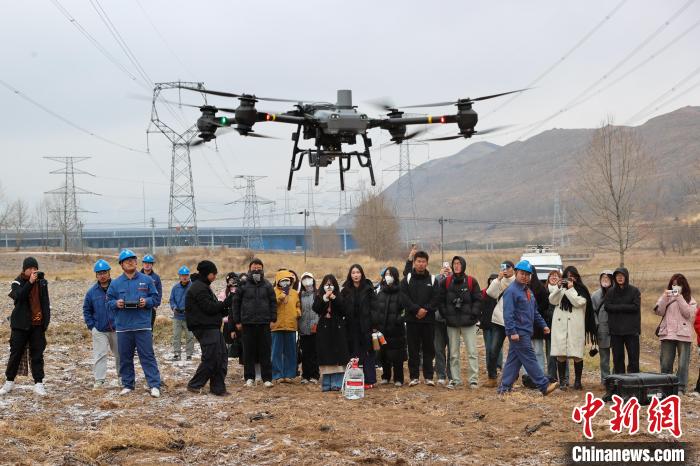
column 494, row 355
column 284, row 354
column 140, row 341
column 330, row 382
column 520, row 353
column 668, row 355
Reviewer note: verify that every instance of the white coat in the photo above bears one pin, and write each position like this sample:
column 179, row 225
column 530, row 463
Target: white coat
column 495, row 290
column 568, row 328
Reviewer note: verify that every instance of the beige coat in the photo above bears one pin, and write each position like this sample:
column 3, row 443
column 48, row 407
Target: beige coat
column 568, row 328
column 496, row 289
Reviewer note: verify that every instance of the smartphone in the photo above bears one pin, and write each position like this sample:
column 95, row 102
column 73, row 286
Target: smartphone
column 504, row 267
column 446, row 264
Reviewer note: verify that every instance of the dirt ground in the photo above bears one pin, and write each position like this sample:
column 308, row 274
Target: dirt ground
column 290, row 424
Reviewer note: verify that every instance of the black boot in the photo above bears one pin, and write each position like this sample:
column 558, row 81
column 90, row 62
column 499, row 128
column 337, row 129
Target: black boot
column 561, row 370
column 578, row 370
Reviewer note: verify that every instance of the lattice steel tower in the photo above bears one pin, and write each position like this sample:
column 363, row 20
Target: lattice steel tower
column 67, row 196
column 404, row 199
column 560, row 238
column 252, row 236
column 182, row 214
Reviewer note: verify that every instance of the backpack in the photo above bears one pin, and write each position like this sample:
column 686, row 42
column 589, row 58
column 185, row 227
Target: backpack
column 470, row 282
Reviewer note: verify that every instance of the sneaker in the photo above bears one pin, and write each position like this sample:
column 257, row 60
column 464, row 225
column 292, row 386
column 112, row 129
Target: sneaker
column 369, row 386
column 267, row 384
column 550, row 388
column 442, row 382
column 413, row 383
column 249, row 383
column 430, row 383
column 304, row 381
column 126, row 391
column 451, row 385
column 39, row 389
column 313, row 381
column 398, row 384
column 7, row 388
column 155, row 392
column 473, row 386
column 99, row 384
column 383, row 382
column 176, row 357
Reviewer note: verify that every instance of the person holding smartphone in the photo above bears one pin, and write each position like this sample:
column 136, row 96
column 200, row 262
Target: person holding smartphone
column 28, row 321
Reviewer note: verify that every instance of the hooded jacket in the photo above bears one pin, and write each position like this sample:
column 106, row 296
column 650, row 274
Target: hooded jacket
column 288, row 304
column 202, row 308
column 96, row 313
column 254, row 303
column 421, row 291
column 460, row 305
column 309, row 319
column 388, row 314
column 358, row 309
column 21, row 317
column 623, row 304
column 601, row 314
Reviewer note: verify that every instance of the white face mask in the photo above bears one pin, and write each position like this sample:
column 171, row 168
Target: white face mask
column 308, row 282
column 329, row 288
column 284, row 283
column 605, row 282
column 389, row 280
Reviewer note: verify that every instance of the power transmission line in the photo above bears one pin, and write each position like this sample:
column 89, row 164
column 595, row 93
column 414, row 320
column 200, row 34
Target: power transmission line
column 252, row 236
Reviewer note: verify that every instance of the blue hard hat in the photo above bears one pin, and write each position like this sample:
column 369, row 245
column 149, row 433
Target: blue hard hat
column 126, row 254
column 102, row 266
column 183, row 270
column 524, row 266
column 149, row 259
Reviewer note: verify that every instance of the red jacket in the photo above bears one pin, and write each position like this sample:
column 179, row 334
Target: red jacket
column 697, row 325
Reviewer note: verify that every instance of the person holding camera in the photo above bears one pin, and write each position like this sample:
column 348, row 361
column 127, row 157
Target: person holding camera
column 177, row 304
column 573, row 303
column 623, row 302
column 461, row 305
column 99, row 319
column 677, row 308
column 132, row 296
column 496, row 289
column 29, row 320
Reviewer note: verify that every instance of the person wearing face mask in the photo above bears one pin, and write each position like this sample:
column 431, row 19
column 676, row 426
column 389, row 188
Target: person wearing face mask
column 358, row 294
column 331, row 334
column 677, row 308
column 569, row 330
column 254, row 313
column 284, row 329
column 605, row 280
column 388, row 317
column 308, row 324
column 623, row 302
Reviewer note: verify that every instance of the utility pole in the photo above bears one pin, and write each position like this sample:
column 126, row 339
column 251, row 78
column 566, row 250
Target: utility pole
column 305, row 213
column 153, row 235
column 442, row 238
column 68, row 209
column 252, row 236
column 182, row 214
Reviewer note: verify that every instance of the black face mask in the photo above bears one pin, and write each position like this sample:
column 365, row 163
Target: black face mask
column 257, row 275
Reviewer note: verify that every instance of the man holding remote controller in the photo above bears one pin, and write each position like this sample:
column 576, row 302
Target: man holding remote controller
column 132, row 296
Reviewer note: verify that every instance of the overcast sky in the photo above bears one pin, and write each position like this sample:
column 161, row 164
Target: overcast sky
column 411, row 51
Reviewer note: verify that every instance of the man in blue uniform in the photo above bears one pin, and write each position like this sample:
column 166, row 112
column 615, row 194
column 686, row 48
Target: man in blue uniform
column 177, row 304
column 147, row 269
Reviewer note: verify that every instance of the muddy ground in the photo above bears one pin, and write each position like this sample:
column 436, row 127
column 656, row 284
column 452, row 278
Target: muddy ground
column 287, row 424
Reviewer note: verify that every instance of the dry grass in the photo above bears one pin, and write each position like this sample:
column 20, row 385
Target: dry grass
column 121, row 436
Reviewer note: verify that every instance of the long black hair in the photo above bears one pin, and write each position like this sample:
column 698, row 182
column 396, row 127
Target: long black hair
column 328, row 278
column 680, row 279
column 565, row 304
column 348, row 280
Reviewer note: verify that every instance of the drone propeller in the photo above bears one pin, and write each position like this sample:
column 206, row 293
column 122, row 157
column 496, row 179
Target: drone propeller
column 230, row 94
column 258, row 135
column 476, row 133
column 467, row 100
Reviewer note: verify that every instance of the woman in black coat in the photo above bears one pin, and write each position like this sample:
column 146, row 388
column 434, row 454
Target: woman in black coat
column 331, row 334
column 358, row 294
column 388, row 317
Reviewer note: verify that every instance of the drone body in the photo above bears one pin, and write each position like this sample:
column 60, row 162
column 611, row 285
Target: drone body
column 331, row 126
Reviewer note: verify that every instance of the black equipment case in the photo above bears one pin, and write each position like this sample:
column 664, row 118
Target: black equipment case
column 642, row 385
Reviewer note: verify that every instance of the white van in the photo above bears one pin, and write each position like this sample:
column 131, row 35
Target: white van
column 544, row 258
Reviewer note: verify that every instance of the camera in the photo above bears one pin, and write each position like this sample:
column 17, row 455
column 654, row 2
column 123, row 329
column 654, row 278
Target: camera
column 40, row 275
column 504, row 267
column 674, row 292
column 131, row 304
column 593, row 352
column 564, row 283
column 457, row 302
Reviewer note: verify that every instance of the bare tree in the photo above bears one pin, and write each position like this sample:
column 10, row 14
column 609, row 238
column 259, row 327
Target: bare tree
column 20, row 220
column 376, row 228
column 325, row 241
column 42, row 221
column 609, row 199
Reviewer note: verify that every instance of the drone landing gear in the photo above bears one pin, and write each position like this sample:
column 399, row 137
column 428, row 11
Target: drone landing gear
column 319, row 158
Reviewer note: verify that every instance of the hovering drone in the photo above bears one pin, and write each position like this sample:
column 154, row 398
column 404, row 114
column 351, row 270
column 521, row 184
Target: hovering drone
column 332, row 125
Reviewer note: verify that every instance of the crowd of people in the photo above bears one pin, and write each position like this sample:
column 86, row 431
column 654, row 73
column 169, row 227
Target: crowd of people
column 272, row 327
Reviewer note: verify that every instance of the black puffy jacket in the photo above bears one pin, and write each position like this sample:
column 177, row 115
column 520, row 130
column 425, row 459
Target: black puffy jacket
column 460, row 305
column 21, row 317
column 202, row 309
column 388, row 315
column 420, row 292
column 623, row 305
column 255, row 303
